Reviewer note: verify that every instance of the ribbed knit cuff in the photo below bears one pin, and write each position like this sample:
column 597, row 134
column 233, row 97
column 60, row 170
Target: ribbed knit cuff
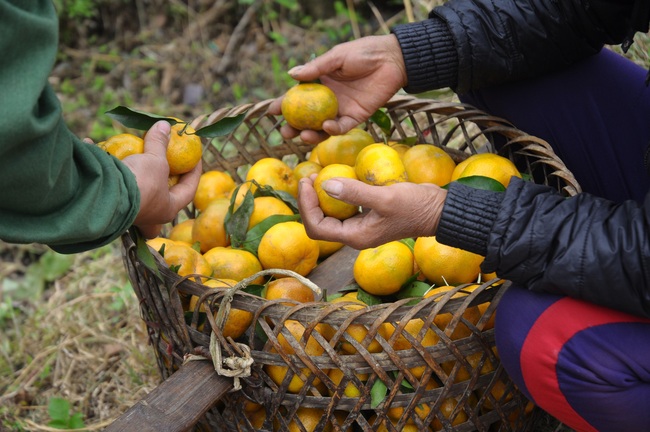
column 429, row 55
column 467, row 217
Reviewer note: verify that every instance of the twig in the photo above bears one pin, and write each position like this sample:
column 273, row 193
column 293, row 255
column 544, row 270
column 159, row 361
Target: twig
column 235, row 39
column 408, row 7
column 353, row 19
column 380, row 19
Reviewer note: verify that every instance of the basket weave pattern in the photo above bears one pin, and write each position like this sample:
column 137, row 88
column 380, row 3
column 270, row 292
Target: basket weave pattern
column 420, row 380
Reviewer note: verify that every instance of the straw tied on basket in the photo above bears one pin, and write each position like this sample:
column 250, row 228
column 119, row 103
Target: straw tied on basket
column 351, row 343
column 238, row 364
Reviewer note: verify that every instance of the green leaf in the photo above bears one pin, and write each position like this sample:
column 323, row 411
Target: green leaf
column 409, row 141
column 255, row 234
column 254, row 289
column 334, row 296
column 406, row 386
column 76, row 421
column 137, row 119
column 236, row 222
column 368, row 298
column 378, row 393
column 144, row 254
column 223, row 127
column 409, row 242
column 59, row 409
column 381, row 119
column 482, row 182
column 415, row 289
column 266, row 190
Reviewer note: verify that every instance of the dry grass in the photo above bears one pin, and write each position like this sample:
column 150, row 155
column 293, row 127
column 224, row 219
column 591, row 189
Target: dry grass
column 81, row 339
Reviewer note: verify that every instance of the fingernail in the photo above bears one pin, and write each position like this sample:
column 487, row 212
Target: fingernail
column 333, row 187
column 164, row 127
column 294, row 70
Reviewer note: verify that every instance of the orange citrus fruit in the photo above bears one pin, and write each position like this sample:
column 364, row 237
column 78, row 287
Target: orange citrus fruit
column 157, row 243
column 288, row 288
column 311, row 347
column 327, row 248
column 331, row 206
column 184, row 150
column 275, row 173
column 490, row 165
column 182, row 231
column 237, row 320
column 308, row 105
column 381, row 165
column 426, row 163
column 308, row 418
column 401, row 148
column 185, row 260
column 343, row 149
column 448, row 409
column 306, row 169
column 234, row 264
column 212, row 184
column 241, row 190
column 357, row 332
column 442, row 320
column 351, row 389
column 208, row 228
column 445, row 265
column 266, row 206
column 123, row 145
column 286, row 246
column 384, row 269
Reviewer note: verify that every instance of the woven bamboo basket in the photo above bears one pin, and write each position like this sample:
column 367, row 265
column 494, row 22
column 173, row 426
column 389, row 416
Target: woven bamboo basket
column 422, row 387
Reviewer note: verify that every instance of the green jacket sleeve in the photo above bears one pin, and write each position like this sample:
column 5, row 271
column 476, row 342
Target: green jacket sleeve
column 54, row 188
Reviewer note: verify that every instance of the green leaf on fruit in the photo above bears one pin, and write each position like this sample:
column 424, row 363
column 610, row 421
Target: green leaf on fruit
column 255, row 234
column 136, row 119
column 480, row 182
column 381, row 119
column 223, row 127
column 378, row 393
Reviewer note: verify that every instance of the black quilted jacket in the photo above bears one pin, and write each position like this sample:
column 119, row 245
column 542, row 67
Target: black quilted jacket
column 585, row 246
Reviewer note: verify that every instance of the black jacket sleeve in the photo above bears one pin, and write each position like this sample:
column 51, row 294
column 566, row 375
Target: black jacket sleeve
column 469, row 44
column 584, row 246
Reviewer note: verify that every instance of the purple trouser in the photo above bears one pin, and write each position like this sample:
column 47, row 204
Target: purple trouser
column 587, row 365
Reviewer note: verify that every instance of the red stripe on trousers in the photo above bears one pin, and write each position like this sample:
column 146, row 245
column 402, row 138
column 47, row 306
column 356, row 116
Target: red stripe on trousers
column 541, row 350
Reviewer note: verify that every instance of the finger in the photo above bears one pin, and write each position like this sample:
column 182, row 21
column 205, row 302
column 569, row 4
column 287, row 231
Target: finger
column 340, row 126
column 150, row 231
column 313, row 137
column 320, row 65
column 157, row 138
column 288, row 132
column 88, row 141
column 355, row 192
column 182, row 193
column 275, row 107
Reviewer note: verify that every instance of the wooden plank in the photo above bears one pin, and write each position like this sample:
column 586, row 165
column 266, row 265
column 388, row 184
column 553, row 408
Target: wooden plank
column 178, row 403
column 335, row 272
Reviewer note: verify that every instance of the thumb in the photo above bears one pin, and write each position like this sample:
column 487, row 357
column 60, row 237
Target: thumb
column 353, row 191
column 313, row 70
column 157, row 138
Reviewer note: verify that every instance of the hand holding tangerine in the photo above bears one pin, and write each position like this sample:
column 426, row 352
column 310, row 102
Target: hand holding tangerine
column 308, row 105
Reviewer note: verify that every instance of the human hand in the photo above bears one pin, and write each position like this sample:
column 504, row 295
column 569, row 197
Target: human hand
column 159, row 203
column 364, row 74
column 393, row 212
